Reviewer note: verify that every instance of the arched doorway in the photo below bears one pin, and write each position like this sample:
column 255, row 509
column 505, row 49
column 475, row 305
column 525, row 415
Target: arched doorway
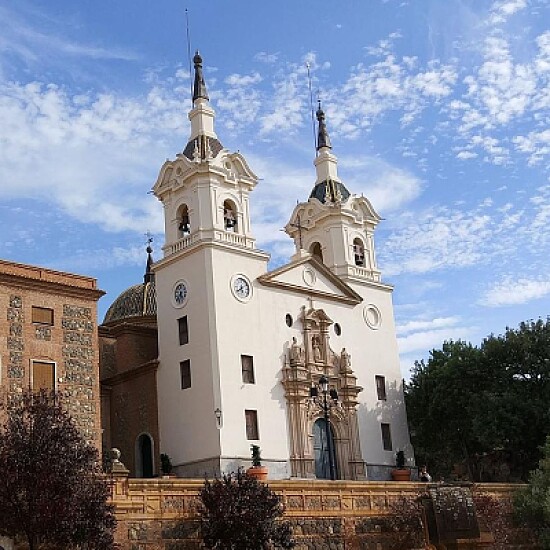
column 321, row 450
column 144, row 456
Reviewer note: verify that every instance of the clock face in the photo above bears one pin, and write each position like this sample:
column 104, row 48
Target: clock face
column 241, row 288
column 180, row 294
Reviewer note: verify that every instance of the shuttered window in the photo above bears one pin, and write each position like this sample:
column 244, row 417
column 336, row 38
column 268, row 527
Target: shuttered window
column 185, row 371
column 251, row 419
column 386, row 437
column 42, row 315
column 43, row 376
column 247, row 366
column 381, row 387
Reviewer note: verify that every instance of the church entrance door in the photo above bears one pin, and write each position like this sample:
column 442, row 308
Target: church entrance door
column 320, row 450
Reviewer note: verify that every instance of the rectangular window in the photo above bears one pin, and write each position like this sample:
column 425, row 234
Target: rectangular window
column 185, row 371
column 183, row 330
column 251, row 419
column 42, row 315
column 381, row 387
column 43, row 376
column 247, row 366
column 386, row 437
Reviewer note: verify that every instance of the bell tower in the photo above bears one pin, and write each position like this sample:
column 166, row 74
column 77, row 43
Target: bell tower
column 333, row 225
column 205, row 190
column 206, row 274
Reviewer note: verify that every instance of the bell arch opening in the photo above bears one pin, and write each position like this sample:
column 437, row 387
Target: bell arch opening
column 184, row 223
column 230, row 216
column 359, row 252
column 316, row 251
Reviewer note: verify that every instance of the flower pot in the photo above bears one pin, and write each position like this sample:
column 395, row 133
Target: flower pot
column 258, row 472
column 398, row 474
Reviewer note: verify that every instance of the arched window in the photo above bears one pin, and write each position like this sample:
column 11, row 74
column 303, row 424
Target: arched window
column 321, row 450
column 229, row 216
column 144, row 456
column 359, row 252
column 184, row 224
column 316, row 251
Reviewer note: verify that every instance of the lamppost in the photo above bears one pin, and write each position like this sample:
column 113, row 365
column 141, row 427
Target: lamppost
column 328, row 399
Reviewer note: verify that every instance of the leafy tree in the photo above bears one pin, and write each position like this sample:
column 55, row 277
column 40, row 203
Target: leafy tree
column 52, row 491
column 240, row 513
column 485, row 407
column 532, row 503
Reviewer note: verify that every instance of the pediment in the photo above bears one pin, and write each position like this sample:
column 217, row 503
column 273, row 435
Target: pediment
column 308, row 276
column 357, row 210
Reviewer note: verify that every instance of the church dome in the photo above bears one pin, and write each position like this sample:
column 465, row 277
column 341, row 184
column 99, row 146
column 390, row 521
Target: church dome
column 136, row 301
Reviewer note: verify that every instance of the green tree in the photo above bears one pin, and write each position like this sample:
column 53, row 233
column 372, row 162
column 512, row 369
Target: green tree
column 485, row 407
column 239, row 513
column 440, row 403
column 532, row 503
column 52, row 491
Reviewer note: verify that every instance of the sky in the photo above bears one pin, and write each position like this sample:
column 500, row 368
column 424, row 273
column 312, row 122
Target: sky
column 438, row 112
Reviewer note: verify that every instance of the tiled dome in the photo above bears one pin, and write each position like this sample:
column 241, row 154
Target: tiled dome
column 136, row 301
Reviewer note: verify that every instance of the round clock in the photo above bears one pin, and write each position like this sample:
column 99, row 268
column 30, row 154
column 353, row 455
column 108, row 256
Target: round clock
column 241, row 288
column 181, row 293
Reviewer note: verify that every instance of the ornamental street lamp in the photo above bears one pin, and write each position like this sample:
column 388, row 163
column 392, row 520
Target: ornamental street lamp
column 327, row 400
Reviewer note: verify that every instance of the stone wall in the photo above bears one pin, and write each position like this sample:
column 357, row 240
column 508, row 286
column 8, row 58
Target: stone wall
column 70, row 342
column 340, row 515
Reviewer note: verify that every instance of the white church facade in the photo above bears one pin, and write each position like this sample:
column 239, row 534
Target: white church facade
column 241, row 347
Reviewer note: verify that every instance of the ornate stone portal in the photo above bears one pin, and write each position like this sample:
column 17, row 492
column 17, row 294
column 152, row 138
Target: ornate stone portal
column 304, row 365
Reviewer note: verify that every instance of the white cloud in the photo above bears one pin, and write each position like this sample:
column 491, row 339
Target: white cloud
column 422, row 325
column 266, row 57
column 512, row 291
column 386, row 186
column 429, row 339
column 91, row 154
column 501, row 10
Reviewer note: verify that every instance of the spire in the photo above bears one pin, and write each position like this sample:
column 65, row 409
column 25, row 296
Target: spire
column 322, row 138
column 199, row 88
column 149, row 275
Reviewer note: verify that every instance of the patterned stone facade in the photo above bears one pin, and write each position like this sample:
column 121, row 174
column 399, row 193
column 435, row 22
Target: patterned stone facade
column 68, row 341
column 160, row 514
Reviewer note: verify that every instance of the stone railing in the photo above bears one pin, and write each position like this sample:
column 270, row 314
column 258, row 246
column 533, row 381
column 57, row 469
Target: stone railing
column 323, row 514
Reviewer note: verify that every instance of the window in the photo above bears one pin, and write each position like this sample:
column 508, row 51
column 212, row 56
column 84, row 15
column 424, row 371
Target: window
column 183, row 330
column 42, row 315
column 229, row 216
column 381, row 387
column 359, row 252
column 337, row 329
column 247, row 366
column 185, row 371
column 251, row 419
column 43, row 376
column 386, row 437
column 288, row 320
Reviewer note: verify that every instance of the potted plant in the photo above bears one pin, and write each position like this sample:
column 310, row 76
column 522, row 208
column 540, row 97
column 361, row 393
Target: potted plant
column 257, row 471
column 400, row 472
column 166, row 466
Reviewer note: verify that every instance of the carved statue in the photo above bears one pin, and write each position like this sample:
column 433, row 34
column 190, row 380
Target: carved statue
column 296, row 352
column 345, row 361
column 316, row 345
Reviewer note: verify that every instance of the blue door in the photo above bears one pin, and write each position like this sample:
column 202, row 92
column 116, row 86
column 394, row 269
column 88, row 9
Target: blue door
column 320, row 450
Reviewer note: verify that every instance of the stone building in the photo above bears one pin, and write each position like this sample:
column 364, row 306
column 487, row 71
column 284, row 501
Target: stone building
column 243, row 350
column 48, row 339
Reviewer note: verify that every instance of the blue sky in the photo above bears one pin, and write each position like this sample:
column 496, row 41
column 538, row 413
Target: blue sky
column 438, row 111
